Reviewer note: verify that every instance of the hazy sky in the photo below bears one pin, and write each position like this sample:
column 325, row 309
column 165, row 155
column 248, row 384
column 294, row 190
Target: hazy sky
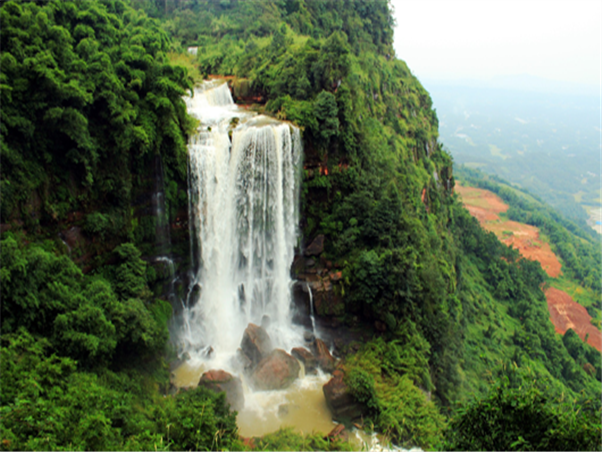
column 479, row 39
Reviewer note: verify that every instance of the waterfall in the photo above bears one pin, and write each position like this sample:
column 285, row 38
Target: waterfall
column 311, row 309
column 243, row 191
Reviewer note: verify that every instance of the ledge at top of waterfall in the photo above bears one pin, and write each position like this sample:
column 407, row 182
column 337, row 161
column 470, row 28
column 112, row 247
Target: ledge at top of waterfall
column 243, row 192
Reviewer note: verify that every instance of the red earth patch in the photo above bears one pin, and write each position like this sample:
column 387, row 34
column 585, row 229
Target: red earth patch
column 567, row 313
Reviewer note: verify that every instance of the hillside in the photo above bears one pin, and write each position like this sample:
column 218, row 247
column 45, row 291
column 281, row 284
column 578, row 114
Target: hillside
column 433, row 314
column 565, row 313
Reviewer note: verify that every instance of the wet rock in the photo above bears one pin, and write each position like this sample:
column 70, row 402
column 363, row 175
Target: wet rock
column 276, row 371
column 195, row 295
column 222, row 381
column 242, row 297
column 309, row 361
column 298, row 264
column 301, row 319
column 256, row 343
column 341, row 403
column 72, row 236
column 327, row 301
column 316, row 246
column 339, row 346
column 244, row 361
column 310, row 262
column 325, row 359
column 308, row 336
column 338, row 433
column 302, row 309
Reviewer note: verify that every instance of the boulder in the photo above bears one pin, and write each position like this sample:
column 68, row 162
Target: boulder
column 327, row 300
column 338, row 433
column 243, row 360
column 276, row 371
column 341, row 403
column 325, row 359
column 222, row 381
column 256, row 343
column 316, row 246
column 309, row 361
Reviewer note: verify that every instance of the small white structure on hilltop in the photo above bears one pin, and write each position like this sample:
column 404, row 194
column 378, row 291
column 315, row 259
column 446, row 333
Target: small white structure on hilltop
column 193, row 50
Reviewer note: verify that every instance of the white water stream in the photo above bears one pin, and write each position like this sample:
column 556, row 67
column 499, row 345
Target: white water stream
column 243, row 191
column 244, row 184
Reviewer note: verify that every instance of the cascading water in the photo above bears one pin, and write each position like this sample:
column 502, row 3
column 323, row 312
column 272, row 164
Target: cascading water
column 311, row 309
column 243, row 206
column 243, row 201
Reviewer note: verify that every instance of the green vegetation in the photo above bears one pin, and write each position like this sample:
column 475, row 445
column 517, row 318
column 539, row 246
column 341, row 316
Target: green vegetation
column 81, row 364
column 287, row 439
column 519, row 414
column 392, row 380
column 94, row 121
column 578, row 247
column 89, row 104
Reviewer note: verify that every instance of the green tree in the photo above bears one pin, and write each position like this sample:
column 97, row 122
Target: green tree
column 522, row 417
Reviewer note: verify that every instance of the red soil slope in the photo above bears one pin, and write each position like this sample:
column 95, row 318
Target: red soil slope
column 566, row 313
column 485, row 207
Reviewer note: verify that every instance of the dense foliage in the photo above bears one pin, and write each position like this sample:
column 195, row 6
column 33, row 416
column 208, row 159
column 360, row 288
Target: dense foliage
column 81, row 365
column 519, row 414
column 89, row 102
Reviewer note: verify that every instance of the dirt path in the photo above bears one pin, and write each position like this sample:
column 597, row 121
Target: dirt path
column 486, row 207
column 566, row 313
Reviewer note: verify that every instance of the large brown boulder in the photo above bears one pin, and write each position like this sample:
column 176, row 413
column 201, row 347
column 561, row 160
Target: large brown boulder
column 309, row 361
column 341, row 403
column 256, row 343
column 276, row 371
column 222, row 381
column 316, row 246
column 325, row 359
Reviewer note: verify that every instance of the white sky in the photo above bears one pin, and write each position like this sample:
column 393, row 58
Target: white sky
column 480, row 39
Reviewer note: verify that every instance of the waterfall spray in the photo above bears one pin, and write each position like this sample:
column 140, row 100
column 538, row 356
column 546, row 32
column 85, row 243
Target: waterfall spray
column 243, row 191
